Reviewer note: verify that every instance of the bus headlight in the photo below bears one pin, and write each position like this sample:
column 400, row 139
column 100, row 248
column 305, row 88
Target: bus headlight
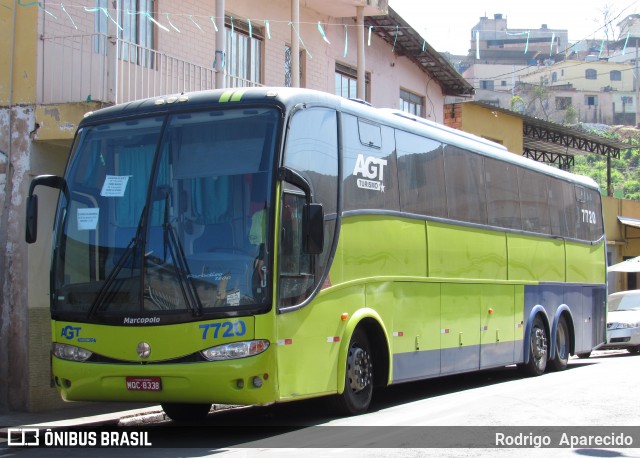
column 235, row 350
column 70, row 352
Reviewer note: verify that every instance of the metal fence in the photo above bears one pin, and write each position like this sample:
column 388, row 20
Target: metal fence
column 96, row 67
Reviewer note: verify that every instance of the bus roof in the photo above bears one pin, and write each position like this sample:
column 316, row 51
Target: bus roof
column 290, row 97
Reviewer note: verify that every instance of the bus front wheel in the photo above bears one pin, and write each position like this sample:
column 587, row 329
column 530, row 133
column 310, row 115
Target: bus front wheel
column 538, row 349
column 358, row 389
column 186, row 413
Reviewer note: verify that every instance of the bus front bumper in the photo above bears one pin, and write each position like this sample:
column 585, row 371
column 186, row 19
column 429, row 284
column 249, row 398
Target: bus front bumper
column 243, row 381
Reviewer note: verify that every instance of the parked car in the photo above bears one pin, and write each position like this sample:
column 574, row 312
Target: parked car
column 623, row 321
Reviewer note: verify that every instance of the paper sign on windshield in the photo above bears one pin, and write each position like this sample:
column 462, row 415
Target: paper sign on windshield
column 88, row 219
column 114, row 186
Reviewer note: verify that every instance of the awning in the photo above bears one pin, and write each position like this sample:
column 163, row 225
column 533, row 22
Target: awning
column 629, row 222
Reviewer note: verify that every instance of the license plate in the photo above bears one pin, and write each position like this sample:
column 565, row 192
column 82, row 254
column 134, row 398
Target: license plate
column 144, row 384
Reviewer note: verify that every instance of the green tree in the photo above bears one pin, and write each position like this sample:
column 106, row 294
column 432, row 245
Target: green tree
column 625, row 172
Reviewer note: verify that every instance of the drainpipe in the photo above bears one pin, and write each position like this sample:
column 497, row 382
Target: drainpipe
column 220, row 56
column 295, row 44
column 361, row 73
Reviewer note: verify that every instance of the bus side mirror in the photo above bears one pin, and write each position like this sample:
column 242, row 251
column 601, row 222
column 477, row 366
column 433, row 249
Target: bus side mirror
column 31, row 231
column 51, row 181
column 313, row 228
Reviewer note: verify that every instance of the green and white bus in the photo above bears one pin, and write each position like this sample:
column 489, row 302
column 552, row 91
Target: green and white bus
column 264, row 245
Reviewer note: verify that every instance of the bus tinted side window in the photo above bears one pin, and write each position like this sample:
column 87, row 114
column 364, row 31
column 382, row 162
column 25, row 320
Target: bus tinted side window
column 558, row 208
column 464, row 176
column 421, row 175
column 533, row 199
column 503, row 201
column 588, row 214
column 369, row 172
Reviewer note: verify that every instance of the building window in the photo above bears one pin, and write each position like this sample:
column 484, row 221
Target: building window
column 591, row 100
column 243, row 53
column 615, row 75
column 554, row 77
column 135, row 30
column 503, row 83
column 346, row 82
column 411, row 103
column 627, row 99
column 486, row 84
column 562, row 103
column 591, row 74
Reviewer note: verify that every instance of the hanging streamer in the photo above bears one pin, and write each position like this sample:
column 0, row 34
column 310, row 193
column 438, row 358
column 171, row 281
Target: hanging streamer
column 321, row 30
column 68, row 15
column 215, row 27
column 601, row 48
column 624, row 49
column 250, row 29
column 233, row 32
column 346, row 41
column 300, row 40
column 266, row 24
column 171, row 23
column 553, row 38
column 39, row 6
column 155, row 22
column 369, row 39
column 477, row 44
column 193, row 20
column 106, row 13
column 395, row 39
column 526, row 47
column 424, row 45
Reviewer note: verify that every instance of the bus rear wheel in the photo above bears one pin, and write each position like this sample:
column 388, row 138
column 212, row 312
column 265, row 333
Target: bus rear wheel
column 186, row 413
column 561, row 359
column 538, row 349
column 358, row 389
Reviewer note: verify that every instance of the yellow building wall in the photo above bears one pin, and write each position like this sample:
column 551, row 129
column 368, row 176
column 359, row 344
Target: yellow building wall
column 573, row 72
column 493, row 125
column 626, row 238
column 24, row 36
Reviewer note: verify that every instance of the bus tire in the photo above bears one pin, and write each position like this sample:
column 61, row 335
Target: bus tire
column 584, row 355
column 634, row 350
column 538, row 349
column 186, row 413
column 358, row 389
column 563, row 338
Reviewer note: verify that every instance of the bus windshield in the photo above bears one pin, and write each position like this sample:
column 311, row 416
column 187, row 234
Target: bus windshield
column 166, row 216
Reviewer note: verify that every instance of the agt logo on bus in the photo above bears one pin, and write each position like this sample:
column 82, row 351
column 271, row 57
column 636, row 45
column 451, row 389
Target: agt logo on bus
column 372, row 169
column 73, row 332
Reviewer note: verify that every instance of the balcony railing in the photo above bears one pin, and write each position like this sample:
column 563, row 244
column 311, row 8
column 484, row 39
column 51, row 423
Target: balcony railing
column 96, row 67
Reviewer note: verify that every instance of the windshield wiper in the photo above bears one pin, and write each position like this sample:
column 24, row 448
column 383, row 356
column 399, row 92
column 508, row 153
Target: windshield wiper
column 129, row 252
column 180, row 264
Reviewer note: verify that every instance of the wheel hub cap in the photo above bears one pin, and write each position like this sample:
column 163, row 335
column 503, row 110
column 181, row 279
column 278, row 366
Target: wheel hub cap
column 359, row 369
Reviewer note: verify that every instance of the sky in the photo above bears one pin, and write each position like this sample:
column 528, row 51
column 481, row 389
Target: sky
column 446, row 24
